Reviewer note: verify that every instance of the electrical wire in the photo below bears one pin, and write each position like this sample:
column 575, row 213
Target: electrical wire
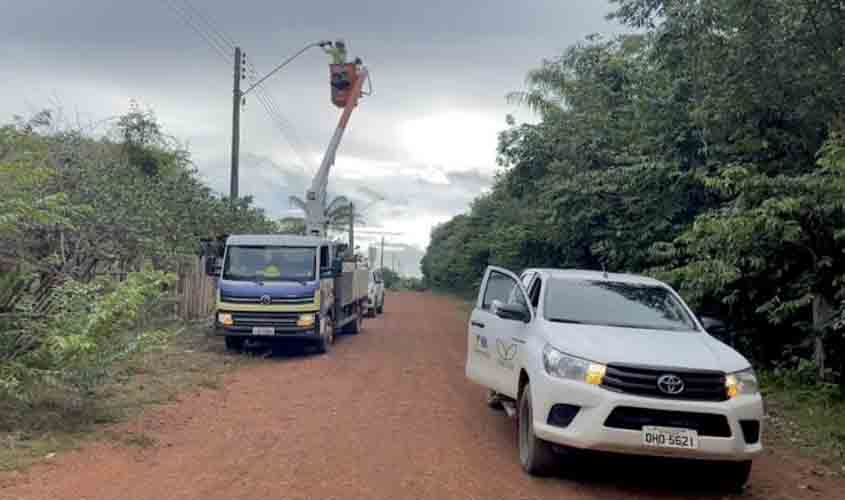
column 224, row 45
column 188, row 20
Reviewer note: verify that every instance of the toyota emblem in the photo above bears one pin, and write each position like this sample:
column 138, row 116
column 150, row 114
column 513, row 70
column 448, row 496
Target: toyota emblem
column 670, row 384
column 265, row 299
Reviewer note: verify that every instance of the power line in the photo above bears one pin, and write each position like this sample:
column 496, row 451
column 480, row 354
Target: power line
column 223, row 45
column 187, row 19
column 221, row 35
column 284, row 125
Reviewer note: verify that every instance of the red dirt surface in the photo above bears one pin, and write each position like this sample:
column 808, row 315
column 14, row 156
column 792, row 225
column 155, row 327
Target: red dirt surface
column 386, row 414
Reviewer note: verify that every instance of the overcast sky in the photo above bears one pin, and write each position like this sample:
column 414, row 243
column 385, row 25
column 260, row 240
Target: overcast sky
column 425, row 141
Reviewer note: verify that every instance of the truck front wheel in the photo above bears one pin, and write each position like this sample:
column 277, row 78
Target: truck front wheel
column 326, row 335
column 234, row 343
column 535, row 455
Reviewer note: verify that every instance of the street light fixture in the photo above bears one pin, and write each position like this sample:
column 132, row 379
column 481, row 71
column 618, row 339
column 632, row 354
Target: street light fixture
column 238, row 96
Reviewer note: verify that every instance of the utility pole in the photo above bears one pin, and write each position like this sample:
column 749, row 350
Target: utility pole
column 382, row 253
column 352, row 228
column 236, row 125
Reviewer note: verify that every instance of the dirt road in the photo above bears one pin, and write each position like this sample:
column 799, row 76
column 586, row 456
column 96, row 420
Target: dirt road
column 387, row 414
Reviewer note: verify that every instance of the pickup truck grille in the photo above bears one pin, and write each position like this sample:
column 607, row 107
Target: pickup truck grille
column 279, row 320
column 706, row 424
column 699, row 385
column 273, row 300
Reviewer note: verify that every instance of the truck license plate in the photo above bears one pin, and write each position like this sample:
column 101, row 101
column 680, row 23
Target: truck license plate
column 263, row 330
column 670, row 437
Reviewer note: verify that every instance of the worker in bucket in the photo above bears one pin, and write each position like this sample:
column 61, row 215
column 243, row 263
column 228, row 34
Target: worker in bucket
column 336, row 51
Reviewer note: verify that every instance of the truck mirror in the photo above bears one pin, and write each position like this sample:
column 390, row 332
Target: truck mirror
column 212, row 266
column 515, row 312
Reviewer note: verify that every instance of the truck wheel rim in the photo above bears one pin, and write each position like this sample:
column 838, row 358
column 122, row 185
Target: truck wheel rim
column 327, row 331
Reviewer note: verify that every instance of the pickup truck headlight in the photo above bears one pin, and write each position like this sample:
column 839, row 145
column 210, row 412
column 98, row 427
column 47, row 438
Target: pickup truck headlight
column 743, row 382
column 569, row 367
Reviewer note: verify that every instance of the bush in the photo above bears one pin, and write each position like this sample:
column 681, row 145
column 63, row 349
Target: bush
column 91, row 328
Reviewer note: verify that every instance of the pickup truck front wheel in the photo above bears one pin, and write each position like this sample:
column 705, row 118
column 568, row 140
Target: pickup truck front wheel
column 735, row 475
column 535, row 455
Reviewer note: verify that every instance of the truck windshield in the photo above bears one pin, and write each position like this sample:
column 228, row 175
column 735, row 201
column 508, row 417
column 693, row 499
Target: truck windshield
column 619, row 304
column 269, row 263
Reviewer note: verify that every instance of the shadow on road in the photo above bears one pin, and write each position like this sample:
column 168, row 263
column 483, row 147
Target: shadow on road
column 283, row 351
column 656, row 477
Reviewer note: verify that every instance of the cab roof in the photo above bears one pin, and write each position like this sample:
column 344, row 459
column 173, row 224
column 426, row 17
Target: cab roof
column 580, row 274
column 282, row 240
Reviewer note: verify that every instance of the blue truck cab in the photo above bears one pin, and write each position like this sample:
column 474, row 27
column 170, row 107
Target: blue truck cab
column 284, row 288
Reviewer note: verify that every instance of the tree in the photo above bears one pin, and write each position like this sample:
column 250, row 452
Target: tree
column 706, row 149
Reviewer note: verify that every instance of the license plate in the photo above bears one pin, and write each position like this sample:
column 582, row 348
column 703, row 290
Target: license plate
column 670, row 437
column 263, row 330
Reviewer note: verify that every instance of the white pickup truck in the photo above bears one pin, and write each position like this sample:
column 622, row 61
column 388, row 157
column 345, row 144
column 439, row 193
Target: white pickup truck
column 613, row 363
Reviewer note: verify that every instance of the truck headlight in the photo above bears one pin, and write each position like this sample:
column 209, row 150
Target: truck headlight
column 569, row 367
column 305, row 320
column 742, row 382
column 225, row 319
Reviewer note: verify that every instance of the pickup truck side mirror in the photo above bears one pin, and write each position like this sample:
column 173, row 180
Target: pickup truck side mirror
column 712, row 325
column 515, row 312
column 718, row 329
column 212, row 266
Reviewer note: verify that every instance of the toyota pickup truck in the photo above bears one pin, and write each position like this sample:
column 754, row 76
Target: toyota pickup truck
column 613, row 363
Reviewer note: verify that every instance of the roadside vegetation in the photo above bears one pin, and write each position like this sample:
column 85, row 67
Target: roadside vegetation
column 93, row 225
column 706, row 148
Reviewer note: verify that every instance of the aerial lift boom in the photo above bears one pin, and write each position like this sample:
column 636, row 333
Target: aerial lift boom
column 315, row 203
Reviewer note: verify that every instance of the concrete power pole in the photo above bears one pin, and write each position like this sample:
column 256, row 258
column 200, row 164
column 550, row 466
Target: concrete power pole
column 236, row 126
column 352, row 229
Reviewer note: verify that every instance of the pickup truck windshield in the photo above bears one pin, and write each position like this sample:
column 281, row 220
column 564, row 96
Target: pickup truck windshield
column 269, row 263
column 613, row 303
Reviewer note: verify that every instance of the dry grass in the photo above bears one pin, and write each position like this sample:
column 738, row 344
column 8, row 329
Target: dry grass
column 54, row 422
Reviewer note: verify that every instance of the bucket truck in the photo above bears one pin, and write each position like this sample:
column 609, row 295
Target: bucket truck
column 288, row 288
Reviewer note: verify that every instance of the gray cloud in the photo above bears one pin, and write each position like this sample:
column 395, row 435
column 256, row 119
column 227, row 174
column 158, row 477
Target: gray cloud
column 433, row 62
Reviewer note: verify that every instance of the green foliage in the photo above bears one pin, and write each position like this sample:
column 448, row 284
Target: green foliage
column 74, row 207
column 91, row 329
column 706, row 149
column 68, row 199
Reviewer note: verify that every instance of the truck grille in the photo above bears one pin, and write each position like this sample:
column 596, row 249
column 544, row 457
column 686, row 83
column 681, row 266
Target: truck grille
column 699, row 385
column 273, row 300
column 706, row 424
column 279, row 320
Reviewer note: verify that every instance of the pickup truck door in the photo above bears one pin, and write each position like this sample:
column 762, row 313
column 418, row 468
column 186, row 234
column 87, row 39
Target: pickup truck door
column 494, row 344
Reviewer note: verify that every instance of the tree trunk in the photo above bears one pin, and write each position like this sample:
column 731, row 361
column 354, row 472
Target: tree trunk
column 822, row 313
